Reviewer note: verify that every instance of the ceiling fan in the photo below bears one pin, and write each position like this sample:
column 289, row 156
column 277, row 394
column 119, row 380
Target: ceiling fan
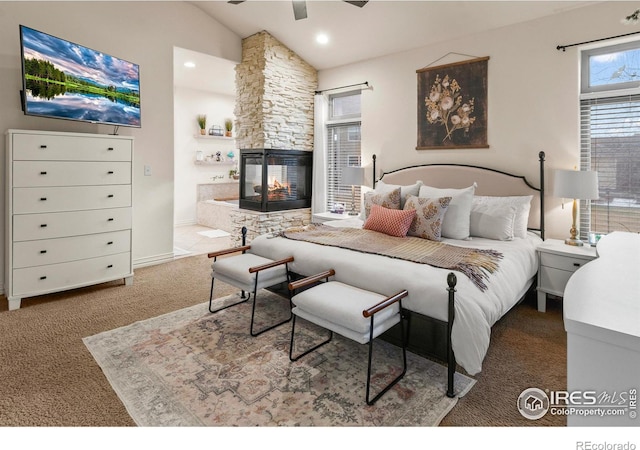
column 300, row 7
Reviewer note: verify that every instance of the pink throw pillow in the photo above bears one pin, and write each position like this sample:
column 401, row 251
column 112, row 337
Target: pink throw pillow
column 394, row 222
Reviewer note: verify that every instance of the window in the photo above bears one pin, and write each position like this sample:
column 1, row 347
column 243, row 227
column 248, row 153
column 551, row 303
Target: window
column 610, row 137
column 343, row 136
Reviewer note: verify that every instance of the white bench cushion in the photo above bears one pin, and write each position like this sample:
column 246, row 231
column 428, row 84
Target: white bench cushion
column 338, row 307
column 234, row 270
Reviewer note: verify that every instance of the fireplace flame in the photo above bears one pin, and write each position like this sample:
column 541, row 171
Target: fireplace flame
column 276, row 189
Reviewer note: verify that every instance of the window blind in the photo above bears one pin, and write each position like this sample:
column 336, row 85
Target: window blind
column 610, row 145
column 343, row 150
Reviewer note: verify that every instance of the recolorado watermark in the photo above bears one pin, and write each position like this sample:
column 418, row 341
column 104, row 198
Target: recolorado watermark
column 534, row 403
column 589, row 445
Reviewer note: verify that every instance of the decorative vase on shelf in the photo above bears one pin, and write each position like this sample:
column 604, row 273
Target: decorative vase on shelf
column 228, row 126
column 202, row 123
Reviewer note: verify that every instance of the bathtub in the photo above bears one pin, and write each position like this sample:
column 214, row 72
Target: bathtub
column 216, row 214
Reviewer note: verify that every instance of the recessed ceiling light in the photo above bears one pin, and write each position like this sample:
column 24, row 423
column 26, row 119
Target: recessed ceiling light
column 190, row 64
column 322, row 39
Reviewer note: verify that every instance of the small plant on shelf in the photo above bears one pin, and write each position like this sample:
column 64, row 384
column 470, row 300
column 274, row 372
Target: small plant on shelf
column 202, row 123
column 228, row 125
column 233, row 173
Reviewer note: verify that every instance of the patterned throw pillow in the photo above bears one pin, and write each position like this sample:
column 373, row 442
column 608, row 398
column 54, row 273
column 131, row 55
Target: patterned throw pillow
column 405, row 191
column 429, row 216
column 394, row 222
column 390, row 200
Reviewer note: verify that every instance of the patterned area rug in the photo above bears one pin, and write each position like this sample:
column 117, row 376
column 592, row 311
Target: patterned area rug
column 194, row 368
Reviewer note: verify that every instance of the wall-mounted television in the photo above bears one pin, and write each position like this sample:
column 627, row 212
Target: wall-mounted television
column 64, row 80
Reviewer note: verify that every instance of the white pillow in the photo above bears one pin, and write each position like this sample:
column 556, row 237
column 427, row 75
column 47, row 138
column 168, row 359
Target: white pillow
column 455, row 224
column 492, row 223
column 522, row 204
column 405, row 191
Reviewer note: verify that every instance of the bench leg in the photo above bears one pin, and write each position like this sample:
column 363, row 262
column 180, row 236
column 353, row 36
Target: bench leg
column 293, row 330
column 253, row 310
column 404, row 361
column 228, row 306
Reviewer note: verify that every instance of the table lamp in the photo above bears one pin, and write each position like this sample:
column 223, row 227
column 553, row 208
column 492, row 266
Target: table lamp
column 354, row 176
column 578, row 185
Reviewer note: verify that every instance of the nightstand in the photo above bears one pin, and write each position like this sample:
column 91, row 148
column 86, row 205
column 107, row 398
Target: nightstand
column 557, row 261
column 327, row 216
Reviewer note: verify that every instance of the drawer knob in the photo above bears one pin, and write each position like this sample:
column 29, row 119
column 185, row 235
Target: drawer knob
column 110, row 196
column 110, row 172
column 43, row 278
column 110, row 149
column 43, row 225
column 110, row 219
column 109, row 266
column 43, row 173
column 576, row 264
column 43, row 146
column 42, row 199
column 110, row 243
column 42, row 252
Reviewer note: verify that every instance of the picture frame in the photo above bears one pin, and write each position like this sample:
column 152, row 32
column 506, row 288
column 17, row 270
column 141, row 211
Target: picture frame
column 452, row 105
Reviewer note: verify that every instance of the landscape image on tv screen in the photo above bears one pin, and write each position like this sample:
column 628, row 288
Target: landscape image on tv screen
column 68, row 81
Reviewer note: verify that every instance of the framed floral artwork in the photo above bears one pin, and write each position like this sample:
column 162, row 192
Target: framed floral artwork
column 452, row 105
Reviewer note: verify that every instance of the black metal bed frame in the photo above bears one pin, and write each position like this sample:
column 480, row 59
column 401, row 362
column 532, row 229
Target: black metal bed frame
column 434, row 340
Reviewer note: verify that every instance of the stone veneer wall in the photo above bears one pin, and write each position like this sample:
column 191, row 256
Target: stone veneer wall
column 275, row 94
column 275, row 91
column 258, row 223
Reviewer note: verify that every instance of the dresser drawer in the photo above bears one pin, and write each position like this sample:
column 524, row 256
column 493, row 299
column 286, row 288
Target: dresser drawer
column 53, row 251
column 70, row 148
column 55, row 199
column 28, row 227
column 39, row 280
column 569, row 263
column 70, row 173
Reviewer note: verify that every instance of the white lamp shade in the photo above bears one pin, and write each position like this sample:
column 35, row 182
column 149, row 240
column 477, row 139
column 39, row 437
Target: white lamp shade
column 352, row 175
column 576, row 184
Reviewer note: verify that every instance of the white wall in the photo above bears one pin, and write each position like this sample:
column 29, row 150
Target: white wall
column 188, row 104
column 141, row 32
column 533, row 100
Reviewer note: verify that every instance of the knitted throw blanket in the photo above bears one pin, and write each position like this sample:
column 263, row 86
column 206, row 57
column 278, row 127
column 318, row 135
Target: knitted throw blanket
column 474, row 263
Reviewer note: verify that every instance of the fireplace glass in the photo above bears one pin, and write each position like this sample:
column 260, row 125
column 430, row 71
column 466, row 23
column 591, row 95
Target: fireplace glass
column 275, row 180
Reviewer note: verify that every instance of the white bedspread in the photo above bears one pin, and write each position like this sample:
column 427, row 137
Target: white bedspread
column 475, row 311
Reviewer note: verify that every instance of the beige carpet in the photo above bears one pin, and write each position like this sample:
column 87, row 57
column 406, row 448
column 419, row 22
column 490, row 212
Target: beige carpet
column 49, row 378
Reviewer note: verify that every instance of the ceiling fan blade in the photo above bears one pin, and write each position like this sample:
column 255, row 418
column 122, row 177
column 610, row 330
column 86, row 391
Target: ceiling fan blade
column 236, row 2
column 358, row 4
column 299, row 9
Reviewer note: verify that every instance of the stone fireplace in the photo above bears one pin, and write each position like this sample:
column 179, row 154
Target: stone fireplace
column 274, row 110
column 275, row 180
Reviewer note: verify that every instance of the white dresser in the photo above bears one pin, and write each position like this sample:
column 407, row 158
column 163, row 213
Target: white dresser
column 68, row 211
column 602, row 320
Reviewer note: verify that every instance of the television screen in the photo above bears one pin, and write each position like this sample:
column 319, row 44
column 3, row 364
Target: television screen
column 68, row 81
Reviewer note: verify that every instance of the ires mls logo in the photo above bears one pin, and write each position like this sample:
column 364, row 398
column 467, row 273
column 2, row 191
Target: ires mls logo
column 534, row 403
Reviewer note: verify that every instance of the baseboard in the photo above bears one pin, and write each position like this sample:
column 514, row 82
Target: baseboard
column 185, row 223
column 153, row 260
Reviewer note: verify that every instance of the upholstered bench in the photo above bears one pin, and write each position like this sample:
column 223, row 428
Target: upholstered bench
column 250, row 273
column 354, row 313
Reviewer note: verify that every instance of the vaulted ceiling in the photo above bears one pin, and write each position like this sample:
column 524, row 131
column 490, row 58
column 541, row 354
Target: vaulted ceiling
column 355, row 34
column 379, row 28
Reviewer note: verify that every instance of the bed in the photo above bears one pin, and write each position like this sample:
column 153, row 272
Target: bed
column 451, row 317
